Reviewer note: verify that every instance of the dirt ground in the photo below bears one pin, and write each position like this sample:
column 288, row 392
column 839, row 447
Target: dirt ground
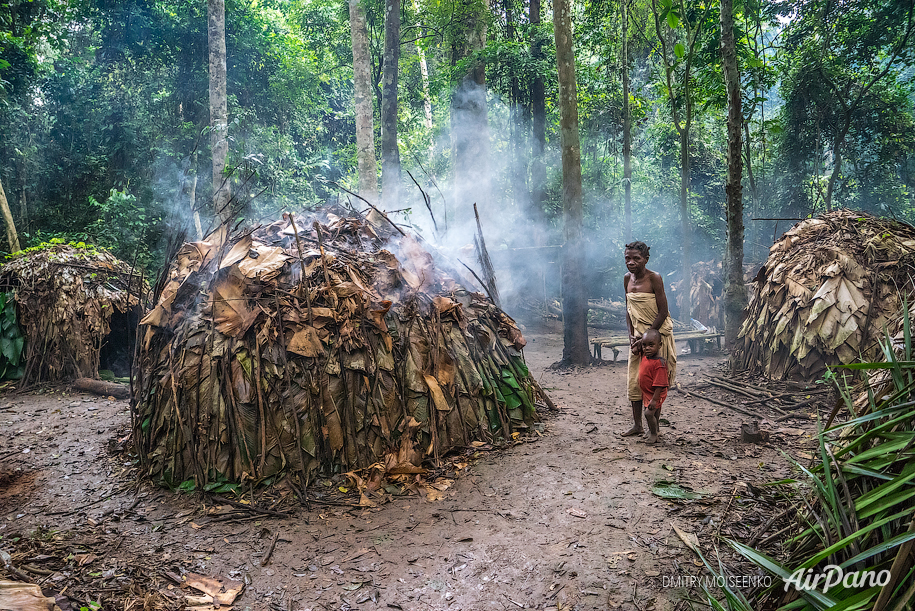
column 566, row 520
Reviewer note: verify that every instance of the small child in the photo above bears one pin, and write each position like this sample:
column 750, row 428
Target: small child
column 653, row 381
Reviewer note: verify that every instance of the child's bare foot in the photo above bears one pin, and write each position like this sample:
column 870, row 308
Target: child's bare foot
column 635, row 430
column 652, row 438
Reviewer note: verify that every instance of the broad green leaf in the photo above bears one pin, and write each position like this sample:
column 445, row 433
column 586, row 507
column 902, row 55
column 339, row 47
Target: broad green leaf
column 679, row 50
column 673, row 20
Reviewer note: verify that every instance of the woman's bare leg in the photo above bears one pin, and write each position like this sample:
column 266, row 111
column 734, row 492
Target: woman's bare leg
column 637, row 419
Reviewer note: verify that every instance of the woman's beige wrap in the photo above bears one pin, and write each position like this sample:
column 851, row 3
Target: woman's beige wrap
column 642, row 309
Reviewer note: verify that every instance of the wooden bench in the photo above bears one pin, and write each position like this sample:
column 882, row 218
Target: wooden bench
column 615, row 341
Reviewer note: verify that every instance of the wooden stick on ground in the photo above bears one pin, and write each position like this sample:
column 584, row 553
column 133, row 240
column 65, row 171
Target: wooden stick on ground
column 250, row 507
column 769, row 523
column 743, row 389
column 266, row 559
column 722, row 404
column 740, row 391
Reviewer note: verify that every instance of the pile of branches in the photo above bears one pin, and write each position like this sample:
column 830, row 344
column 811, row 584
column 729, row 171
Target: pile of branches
column 328, row 345
column 829, row 286
column 66, row 295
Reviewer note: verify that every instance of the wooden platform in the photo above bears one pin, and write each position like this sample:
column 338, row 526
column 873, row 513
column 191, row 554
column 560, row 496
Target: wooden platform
column 615, row 341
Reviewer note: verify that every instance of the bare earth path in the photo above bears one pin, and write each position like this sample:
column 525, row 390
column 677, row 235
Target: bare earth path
column 566, row 521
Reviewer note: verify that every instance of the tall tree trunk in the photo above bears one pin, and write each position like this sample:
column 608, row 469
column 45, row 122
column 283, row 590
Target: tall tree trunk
column 517, row 171
column 424, row 75
column 390, row 153
column 538, row 122
column 12, row 237
column 574, row 303
column 219, row 113
column 735, row 293
column 837, row 145
column 685, row 264
column 627, row 125
column 754, row 191
column 365, row 121
column 470, row 126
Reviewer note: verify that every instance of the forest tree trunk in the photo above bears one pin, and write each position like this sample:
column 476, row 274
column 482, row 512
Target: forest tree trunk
column 538, row 122
column 735, row 293
column 685, row 265
column 390, row 153
column 836, row 161
column 627, row 126
column 219, row 113
column 424, row 75
column 11, row 236
column 365, row 120
column 575, row 349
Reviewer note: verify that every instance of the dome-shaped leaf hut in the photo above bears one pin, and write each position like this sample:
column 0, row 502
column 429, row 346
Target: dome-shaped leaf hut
column 313, row 346
column 78, row 307
column 827, row 290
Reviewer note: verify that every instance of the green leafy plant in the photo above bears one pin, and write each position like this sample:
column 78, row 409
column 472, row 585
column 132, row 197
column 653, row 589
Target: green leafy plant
column 12, row 341
column 860, row 497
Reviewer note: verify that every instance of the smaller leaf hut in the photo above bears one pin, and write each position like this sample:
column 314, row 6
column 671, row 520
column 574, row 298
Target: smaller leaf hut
column 320, row 346
column 78, row 308
column 825, row 294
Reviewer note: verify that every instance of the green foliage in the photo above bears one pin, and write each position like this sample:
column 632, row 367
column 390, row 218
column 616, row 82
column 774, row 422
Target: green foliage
column 122, row 227
column 859, row 495
column 12, row 340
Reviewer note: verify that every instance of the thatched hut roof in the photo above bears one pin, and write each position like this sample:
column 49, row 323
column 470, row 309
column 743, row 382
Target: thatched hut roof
column 829, row 286
column 328, row 346
column 67, row 296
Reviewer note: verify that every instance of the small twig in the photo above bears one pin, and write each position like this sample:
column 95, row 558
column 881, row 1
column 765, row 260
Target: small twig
column 483, row 284
column 426, row 199
column 726, row 509
column 556, row 591
column 801, row 404
column 375, row 208
column 269, row 553
column 789, row 416
column 252, row 508
column 81, row 507
column 722, row 404
column 775, row 534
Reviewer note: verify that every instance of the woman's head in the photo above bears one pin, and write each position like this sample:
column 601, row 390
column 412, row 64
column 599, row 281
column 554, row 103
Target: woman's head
column 636, row 255
column 642, row 247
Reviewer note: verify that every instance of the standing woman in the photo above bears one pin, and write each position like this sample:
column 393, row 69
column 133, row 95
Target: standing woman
column 646, row 307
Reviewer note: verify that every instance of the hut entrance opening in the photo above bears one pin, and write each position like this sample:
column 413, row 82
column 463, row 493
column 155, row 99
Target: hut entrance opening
column 116, row 353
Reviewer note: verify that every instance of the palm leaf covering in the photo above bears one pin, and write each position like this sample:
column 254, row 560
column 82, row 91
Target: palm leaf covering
column 859, row 496
column 66, row 296
column 829, row 286
column 320, row 348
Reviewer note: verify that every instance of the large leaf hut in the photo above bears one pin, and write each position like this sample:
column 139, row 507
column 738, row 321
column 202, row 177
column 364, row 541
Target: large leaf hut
column 829, row 287
column 304, row 347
